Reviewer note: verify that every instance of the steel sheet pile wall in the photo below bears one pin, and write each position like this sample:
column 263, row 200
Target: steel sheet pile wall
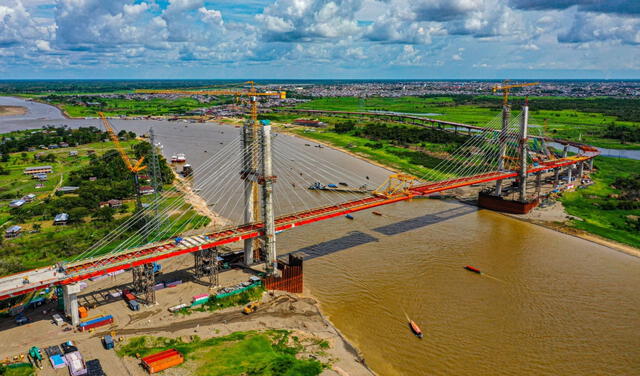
column 291, row 279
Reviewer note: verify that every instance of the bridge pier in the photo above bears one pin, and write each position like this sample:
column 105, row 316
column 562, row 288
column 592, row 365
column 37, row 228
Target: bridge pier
column 70, row 297
column 556, row 178
column 538, row 183
column 580, row 171
column 569, row 174
column 591, row 164
column 143, row 281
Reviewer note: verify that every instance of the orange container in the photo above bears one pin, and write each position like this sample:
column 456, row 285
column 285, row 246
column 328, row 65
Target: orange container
column 84, row 312
column 165, row 363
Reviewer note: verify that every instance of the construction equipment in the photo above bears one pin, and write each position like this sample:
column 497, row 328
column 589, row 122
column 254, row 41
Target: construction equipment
column 36, row 356
column 133, row 167
column 251, row 94
column 506, row 88
column 251, row 308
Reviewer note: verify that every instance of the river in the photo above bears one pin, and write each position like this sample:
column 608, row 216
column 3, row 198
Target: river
column 550, row 304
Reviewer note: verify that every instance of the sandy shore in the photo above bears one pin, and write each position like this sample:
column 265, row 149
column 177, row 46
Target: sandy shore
column 12, row 110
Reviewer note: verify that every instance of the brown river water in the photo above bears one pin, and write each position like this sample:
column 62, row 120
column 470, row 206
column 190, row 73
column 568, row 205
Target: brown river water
column 549, row 303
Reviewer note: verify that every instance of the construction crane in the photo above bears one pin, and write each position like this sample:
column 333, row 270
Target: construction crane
column 133, row 167
column 506, row 88
column 251, row 94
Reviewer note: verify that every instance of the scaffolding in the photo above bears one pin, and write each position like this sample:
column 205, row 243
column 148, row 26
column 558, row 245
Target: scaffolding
column 144, row 281
column 206, row 265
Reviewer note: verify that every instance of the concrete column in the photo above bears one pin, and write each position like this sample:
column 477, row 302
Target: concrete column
column 591, row 164
column 565, row 151
column 247, row 173
column 70, row 296
column 267, row 202
column 523, row 153
column 506, row 116
column 538, row 183
column 580, row 171
column 569, row 173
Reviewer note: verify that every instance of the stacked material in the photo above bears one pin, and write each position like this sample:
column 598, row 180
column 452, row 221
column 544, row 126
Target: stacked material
column 68, row 347
column 162, row 360
column 52, row 351
column 96, row 322
column 199, row 299
column 173, row 283
column 57, row 361
column 177, row 308
column 75, row 363
column 94, row 368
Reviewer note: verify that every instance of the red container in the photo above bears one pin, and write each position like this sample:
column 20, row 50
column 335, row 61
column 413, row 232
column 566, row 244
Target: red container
column 161, row 355
column 162, row 360
column 96, row 325
column 129, row 296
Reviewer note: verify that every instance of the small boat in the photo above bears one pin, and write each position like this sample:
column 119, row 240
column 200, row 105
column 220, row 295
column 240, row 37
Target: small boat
column 332, row 186
column 349, row 216
column 343, row 184
column 472, row 269
column 376, row 213
column 415, row 329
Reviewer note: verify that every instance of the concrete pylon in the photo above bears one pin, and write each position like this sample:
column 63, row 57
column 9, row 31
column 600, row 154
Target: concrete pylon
column 70, row 296
column 246, row 174
column 506, row 116
column 267, row 203
column 580, row 171
column 556, row 178
column 523, row 153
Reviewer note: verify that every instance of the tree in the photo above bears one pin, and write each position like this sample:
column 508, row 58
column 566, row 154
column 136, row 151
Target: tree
column 104, row 214
column 37, row 227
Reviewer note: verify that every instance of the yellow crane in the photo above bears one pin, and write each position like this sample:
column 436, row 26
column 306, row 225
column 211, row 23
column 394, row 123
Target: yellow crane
column 133, row 167
column 251, row 94
column 506, row 88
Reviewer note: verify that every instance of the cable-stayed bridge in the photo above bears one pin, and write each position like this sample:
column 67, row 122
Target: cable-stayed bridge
column 253, row 212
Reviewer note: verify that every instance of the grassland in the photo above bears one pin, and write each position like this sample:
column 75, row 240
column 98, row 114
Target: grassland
column 77, row 106
column 591, row 204
column 270, row 352
column 573, row 124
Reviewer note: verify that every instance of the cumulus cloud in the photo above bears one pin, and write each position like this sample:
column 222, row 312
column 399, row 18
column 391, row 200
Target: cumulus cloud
column 306, row 20
column 589, row 27
column 604, row 6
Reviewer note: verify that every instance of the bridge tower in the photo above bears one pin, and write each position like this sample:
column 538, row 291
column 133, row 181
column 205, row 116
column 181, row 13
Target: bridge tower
column 506, row 116
column 523, row 152
column 256, row 143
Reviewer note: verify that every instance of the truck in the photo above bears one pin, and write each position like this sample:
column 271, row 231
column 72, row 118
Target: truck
column 21, row 319
column 250, row 308
column 134, row 305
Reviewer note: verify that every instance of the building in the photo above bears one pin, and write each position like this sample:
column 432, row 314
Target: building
column 146, row 190
column 61, row 219
column 41, row 177
column 111, row 203
column 63, row 145
column 68, row 189
column 309, row 123
column 30, row 197
column 12, row 231
column 38, row 170
column 16, row 203
column 73, row 153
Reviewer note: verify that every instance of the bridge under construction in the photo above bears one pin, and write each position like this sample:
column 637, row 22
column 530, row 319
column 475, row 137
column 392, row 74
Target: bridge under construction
column 492, row 154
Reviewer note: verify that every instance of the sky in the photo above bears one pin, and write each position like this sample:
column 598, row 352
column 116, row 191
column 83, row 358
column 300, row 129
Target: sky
column 320, row 39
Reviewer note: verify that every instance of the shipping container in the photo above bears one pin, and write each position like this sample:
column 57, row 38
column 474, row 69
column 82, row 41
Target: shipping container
column 129, row 296
column 162, row 360
column 107, row 342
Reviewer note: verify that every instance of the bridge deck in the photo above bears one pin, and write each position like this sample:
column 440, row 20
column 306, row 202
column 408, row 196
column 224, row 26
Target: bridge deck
column 41, row 278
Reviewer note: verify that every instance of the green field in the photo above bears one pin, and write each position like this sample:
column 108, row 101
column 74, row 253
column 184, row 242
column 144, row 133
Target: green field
column 578, row 122
column 596, row 204
column 41, row 243
column 88, row 106
column 269, row 353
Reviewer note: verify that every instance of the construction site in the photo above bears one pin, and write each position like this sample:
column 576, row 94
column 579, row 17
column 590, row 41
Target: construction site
column 170, row 284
